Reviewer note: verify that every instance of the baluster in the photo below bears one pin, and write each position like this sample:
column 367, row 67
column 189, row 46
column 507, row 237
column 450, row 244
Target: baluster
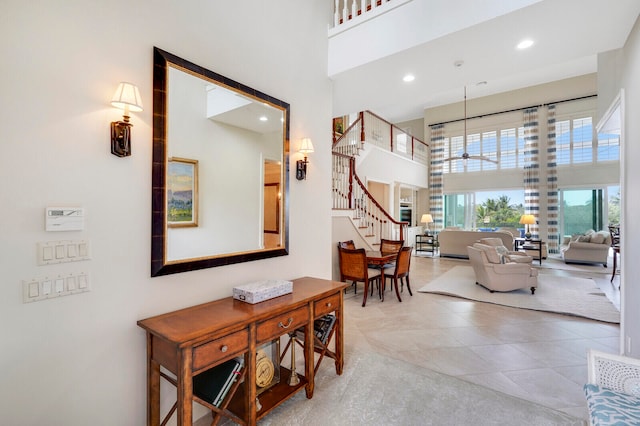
column 374, row 4
column 363, row 7
column 354, row 9
column 336, row 14
column 345, row 12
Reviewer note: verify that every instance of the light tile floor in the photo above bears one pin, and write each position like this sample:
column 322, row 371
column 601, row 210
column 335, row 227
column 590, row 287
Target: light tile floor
column 536, row 356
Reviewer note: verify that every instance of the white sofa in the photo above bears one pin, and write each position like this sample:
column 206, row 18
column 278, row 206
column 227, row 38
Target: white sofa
column 454, row 243
column 592, row 247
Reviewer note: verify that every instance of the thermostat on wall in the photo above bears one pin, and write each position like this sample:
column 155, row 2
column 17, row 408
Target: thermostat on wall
column 64, row 218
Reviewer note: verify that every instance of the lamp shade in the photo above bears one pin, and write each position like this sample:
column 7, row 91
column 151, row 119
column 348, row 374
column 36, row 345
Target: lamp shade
column 527, row 219
column 426, row 218
column 306, row 146
column 126, row 96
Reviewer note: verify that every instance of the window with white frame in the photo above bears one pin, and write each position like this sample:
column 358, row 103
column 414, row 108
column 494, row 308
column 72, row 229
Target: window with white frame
column 574, row 141
column 506, row 145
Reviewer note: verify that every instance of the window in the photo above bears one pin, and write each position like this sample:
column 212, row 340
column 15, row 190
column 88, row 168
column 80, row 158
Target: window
column 504, row 145
column 574, row 139
column 512, row 148
column 484, row 209
column 608, row 147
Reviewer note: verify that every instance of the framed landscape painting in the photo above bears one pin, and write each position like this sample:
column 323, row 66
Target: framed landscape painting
column 182, row 192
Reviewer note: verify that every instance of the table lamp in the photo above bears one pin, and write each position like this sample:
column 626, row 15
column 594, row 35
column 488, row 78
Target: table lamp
column 527, row 219
column 428, row 219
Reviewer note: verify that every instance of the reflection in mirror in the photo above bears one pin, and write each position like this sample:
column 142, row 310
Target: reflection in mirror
column 220, row 165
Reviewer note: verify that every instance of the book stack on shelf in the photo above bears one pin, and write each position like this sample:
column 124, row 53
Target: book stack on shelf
column 214, row 384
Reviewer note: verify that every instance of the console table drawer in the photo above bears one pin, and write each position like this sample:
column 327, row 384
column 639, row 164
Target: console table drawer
column 282, row 324
column 218, row 349
column 326, row 305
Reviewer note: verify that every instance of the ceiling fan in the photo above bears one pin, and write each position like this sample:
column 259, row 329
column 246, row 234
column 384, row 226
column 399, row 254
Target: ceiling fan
column 465, row 155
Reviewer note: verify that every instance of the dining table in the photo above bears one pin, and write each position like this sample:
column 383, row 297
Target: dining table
column 377, row 259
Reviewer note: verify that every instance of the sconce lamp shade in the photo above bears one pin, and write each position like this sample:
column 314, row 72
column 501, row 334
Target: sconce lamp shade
column 306, row 146
column 527, row 219
column 426, row 218
column 126, row 96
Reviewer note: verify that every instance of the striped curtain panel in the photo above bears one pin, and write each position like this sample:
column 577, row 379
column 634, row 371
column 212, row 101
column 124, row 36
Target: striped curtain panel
column 435, row 176
column 532, row 168
column 552, row 183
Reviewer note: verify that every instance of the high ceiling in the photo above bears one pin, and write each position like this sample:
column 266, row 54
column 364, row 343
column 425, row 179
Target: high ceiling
column 567, row 35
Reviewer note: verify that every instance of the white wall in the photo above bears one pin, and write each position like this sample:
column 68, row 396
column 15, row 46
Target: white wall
column 80, row 359
column 630, row 154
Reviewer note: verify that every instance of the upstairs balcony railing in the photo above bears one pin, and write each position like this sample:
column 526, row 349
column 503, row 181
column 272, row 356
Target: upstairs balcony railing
column 370, row 128
column 352, row 12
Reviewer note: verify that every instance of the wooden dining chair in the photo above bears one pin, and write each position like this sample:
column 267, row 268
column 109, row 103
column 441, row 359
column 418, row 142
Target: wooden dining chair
column 354, row 268
column 388, row 246
column 400, row 272
column 349, row 244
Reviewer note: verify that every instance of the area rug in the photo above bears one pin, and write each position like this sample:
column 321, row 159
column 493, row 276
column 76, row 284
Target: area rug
column 377, row 390
column 556, row 262
column 564, row 295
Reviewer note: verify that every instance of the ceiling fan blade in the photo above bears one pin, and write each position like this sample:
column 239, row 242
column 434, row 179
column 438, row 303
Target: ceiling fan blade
column 483, row 158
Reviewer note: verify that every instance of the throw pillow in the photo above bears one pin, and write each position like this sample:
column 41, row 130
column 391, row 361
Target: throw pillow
column 489, row 251
column 584, row 238
column 598, row 238
column 502, row 250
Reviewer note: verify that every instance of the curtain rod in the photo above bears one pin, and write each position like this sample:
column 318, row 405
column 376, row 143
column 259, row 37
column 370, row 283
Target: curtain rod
column 513, row 110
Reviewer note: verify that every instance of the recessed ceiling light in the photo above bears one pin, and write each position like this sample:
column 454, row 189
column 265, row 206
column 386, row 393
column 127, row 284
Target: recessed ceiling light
column 525, row 44
column 408, row 78
column 263, row 118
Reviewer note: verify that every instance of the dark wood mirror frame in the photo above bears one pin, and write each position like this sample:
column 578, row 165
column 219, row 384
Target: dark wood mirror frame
column 159, row 265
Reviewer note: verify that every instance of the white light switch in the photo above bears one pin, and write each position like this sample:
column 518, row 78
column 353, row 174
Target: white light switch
column 47, row 253
column 71, row 283
column 60, row 252
column 46, row 287
column 82, row 281
column 83, row 249
column 72, row 250
column 34, row 289
column 59, row 285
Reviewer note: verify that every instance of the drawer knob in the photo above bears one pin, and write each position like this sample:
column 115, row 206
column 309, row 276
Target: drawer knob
column 328, row 304
column 281, row 325
column 224, row 348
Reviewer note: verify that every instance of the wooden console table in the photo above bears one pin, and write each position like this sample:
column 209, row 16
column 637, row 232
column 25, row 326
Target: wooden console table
column 192, row 340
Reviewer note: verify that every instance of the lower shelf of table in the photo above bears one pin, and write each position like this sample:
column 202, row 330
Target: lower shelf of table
column 269, row 399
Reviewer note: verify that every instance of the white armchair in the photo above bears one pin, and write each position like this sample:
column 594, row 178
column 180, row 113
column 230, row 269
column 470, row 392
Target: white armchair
column 496, row 276
column 511, row 255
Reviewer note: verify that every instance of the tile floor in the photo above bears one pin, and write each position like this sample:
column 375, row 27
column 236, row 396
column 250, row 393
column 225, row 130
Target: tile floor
column 536, row 356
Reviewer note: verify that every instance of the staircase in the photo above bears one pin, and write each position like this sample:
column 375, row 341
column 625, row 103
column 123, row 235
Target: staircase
column 350, row 194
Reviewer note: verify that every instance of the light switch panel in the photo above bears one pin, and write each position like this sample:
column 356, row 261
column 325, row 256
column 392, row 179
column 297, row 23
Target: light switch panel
column 46, row 288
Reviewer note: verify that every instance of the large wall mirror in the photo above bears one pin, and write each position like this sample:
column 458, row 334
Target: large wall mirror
column 220, row 170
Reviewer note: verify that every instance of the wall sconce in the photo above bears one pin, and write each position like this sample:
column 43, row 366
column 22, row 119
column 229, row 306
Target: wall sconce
column 306, row 147
column 127, row 97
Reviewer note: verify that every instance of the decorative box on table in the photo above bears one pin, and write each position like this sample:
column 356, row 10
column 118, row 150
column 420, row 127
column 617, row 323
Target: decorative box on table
column 260, row 291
